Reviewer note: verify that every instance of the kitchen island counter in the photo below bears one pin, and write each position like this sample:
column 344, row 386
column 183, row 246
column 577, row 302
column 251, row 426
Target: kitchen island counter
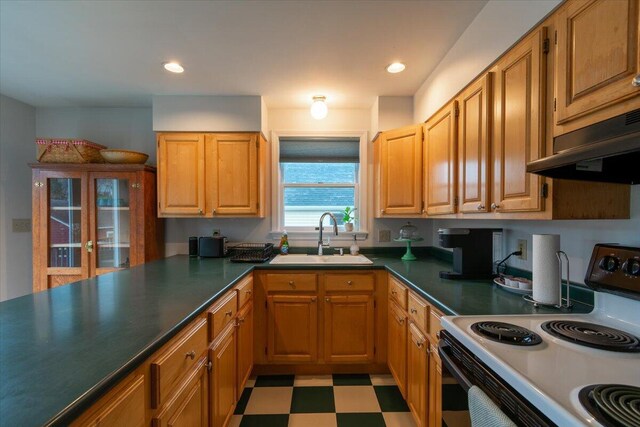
column 61, row 349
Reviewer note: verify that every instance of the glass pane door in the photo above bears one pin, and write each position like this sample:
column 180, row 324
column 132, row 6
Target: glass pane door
column 113, row 220
column 65, row 217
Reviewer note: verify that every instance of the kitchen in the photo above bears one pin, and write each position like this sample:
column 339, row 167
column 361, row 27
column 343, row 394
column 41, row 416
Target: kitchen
column 135, row 127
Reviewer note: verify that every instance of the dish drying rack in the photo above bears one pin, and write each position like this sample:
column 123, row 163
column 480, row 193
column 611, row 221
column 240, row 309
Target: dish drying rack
column 251, row 252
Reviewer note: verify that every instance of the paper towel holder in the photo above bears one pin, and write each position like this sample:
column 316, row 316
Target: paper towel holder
column 563, row 305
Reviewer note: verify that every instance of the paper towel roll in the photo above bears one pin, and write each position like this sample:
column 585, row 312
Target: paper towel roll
column 546, row 286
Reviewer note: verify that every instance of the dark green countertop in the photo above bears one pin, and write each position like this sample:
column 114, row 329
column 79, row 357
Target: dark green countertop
column 61, row 349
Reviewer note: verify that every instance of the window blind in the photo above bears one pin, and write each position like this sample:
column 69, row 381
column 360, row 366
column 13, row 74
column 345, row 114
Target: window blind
column 319, row 150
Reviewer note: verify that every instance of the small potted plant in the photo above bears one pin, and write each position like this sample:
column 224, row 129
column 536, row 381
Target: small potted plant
column 348, row 217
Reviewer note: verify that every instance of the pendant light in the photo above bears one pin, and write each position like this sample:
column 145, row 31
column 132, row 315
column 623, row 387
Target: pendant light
column 319, row 108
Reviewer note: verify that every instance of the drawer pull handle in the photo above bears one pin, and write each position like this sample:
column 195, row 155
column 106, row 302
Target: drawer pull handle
column 349, row 282
column 327, row 299
column 191, row 355
column 414, row 311
column 292, row 283
column 229, row 313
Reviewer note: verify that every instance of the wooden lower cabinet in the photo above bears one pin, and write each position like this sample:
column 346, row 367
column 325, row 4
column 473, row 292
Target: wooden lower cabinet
column 348, row 328
column 223, row 377
column 417, row 375
column 292, row 328
column 189, row 405
column 397, row 346
column 245, row 346
column 435, row 387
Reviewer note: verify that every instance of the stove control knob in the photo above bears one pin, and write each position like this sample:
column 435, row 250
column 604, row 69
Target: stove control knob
column 632, row 267
column 609, row 263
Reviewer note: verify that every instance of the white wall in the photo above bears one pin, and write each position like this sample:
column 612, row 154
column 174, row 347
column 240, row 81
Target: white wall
column 500, row 24
column 207, row 113
column 394, row 112
column 17, row 138
column 495, row 28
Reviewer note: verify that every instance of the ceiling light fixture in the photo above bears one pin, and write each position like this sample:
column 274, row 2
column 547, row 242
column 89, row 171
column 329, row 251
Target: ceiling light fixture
column 395, row 67
column 319, row 108
column 174, row 67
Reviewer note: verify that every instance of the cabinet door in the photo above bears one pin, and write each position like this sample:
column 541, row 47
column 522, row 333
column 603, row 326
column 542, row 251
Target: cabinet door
column 440, row 162
column 598, row 56
column 292, row 328
column 223, row 377
column 114, row 205
column 61, row 228
column 189, row 405
column 232, row 174
column 397, row 346
column 417, row 375
column 519, row 126
column 348, row 328
column 473, row 146
column 401, row 171
column 435, row 388
column 181, row 183
column 245, row 346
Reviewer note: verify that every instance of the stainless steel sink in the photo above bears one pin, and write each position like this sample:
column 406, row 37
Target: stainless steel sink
column 301, row 259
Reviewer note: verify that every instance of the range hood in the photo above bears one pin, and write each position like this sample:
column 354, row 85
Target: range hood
column 608, row 151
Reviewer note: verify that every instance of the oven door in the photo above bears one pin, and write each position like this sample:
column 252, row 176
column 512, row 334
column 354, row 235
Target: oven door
column 463, row 370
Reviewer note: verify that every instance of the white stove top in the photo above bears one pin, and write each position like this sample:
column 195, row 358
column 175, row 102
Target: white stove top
column 550, row 375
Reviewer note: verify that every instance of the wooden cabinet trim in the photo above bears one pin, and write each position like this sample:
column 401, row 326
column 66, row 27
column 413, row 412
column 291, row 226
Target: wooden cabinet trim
column 245, row 291
column 309, row 348
column 418, row 311
column 339, row 348
column 349, row 282
column 292, row 282
column 398, row 292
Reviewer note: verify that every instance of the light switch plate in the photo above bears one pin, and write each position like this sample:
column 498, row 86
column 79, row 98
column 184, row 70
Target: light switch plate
column 21, row 225
column 384, row 235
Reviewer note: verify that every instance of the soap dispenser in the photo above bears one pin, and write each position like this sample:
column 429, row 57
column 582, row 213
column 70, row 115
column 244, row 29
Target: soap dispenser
column 354, row 249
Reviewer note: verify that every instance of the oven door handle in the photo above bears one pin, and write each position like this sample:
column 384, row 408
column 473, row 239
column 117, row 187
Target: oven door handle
column 451, row 367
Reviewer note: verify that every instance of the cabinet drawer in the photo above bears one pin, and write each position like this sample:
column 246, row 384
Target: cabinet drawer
column 222, row 313
column 301, row 282
column 434, row 323
column 418, row 311
column 177, row 358
column 245, row 291
column 398, row 292
column 348, row 282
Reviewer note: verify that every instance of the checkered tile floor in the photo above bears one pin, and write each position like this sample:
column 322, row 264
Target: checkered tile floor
column 322, row 401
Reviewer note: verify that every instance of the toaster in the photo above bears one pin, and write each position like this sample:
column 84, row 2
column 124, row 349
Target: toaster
column 212, row 247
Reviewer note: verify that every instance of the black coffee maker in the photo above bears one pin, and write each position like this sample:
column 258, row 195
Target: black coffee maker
column 472, row 252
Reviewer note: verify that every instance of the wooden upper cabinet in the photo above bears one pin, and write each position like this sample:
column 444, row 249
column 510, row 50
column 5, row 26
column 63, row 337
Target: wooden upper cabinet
column 474, row 127
column 232, row 173
column 518, row 136
column 181, row 189
column 440, row 137
column 400, row 172
column 598, row 56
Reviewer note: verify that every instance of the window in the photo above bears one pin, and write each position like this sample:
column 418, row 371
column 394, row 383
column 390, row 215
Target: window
column 317, row 175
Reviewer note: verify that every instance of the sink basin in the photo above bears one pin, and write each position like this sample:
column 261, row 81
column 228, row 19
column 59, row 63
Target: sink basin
column 301, row 259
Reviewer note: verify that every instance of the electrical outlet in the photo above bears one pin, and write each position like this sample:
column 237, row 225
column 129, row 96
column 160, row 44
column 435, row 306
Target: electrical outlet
column 522, row 247
column 21, row 225
column 384, row 235
column 216, row 232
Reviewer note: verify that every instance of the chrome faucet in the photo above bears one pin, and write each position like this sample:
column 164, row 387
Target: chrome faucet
column 321, row 243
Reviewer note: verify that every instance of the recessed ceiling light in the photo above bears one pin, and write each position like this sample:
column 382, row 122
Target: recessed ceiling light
column 395, row 67
column 319, row 108
column 174, row 67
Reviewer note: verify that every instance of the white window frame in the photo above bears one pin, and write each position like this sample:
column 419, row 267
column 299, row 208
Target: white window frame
column 277, row 185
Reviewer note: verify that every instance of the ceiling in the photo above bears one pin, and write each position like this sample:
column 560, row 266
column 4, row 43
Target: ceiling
column 109, row 53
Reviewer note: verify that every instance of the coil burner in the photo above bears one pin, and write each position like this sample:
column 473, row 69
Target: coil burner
column 612, row 405
column 506, row 333
column 593, row 335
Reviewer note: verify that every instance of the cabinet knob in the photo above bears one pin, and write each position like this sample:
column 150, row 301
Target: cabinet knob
column 349, row 282
column 292, row 283
column 313, row 299
column 38, row 184
column 209, row 365
column 419, row 344
column 414, row 311
column 191, row 355
column 229, row 313
column 393, row 292
column 240, row 320
column 327, row 299
column 135, row 185
column 636, row 81
column 480, row 207
column 213, row 212
column 495, row 206
column 438, row 334
column 423, row 212
column 200, row 212
column 249, row 292
column 381, row 211
column 400, row 320
column 89, row 246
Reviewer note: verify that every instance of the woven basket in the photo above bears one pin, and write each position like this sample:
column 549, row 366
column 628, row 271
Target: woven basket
column 68, row 151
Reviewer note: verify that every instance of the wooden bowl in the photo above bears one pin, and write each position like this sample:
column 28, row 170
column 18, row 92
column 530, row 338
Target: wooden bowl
column 123, row 156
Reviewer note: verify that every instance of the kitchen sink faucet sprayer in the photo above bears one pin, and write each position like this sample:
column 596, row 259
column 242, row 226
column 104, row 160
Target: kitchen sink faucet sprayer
column 321, row 243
